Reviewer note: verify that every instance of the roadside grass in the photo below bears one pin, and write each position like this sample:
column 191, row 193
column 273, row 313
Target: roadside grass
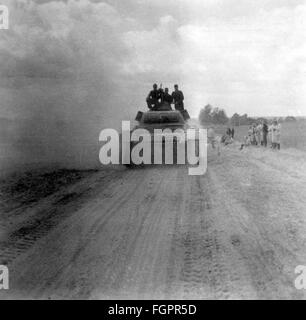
column 293, row 134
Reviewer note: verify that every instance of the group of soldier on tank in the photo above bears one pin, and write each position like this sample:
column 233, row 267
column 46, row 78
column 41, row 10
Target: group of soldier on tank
column 158, row 98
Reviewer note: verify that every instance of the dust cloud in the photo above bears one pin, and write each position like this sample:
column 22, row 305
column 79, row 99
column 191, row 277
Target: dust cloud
column 60, row 83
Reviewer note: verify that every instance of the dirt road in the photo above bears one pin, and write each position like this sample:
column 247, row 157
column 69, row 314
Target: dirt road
column 239, row 231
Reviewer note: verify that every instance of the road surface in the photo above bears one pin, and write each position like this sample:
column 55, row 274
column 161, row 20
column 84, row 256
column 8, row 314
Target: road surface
column 158, row 233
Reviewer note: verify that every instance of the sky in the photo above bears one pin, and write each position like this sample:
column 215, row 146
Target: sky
column 69, row 68
column 246, row 56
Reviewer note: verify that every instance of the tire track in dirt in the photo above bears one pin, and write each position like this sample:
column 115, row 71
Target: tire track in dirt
column 138, row 209
column 115, row 223
column 144, row 272
column 269, row 259
column 104, row 231
column 206, row 272
column 155, row 233
column 56, row 211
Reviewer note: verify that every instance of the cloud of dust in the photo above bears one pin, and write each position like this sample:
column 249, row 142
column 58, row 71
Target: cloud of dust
column 60, row 82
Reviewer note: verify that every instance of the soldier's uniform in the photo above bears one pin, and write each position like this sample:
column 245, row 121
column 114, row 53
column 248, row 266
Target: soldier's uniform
column 167, row 98
column 178, row 99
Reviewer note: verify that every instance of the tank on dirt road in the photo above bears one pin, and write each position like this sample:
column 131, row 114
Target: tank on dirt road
column 163, row 120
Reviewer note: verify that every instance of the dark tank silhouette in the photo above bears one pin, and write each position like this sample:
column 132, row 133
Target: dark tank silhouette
column 166, row 120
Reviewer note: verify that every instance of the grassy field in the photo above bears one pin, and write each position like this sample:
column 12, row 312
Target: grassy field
column 293, row 135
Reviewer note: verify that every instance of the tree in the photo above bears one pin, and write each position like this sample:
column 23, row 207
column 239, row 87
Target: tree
column 212, row 115
column 222, row 117
column 205, row 114
column 235, row 119
column 244, row 119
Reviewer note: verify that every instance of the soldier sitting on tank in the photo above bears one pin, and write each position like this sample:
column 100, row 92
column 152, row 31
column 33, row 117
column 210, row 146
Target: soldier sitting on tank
column 154, row 98
column 178, row 98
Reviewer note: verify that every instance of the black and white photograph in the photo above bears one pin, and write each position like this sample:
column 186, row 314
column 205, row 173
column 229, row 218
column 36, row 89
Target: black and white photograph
column 153, row 151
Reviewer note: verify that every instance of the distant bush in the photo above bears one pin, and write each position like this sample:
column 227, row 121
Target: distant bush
column 290, row 119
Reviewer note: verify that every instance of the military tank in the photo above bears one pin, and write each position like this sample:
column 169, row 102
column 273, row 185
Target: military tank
column 163, row 128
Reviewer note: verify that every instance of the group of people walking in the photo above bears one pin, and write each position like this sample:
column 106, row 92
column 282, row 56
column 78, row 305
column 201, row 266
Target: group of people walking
column 261, row 133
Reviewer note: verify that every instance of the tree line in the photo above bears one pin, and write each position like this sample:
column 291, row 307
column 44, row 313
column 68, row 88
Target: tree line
column 214, row 115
